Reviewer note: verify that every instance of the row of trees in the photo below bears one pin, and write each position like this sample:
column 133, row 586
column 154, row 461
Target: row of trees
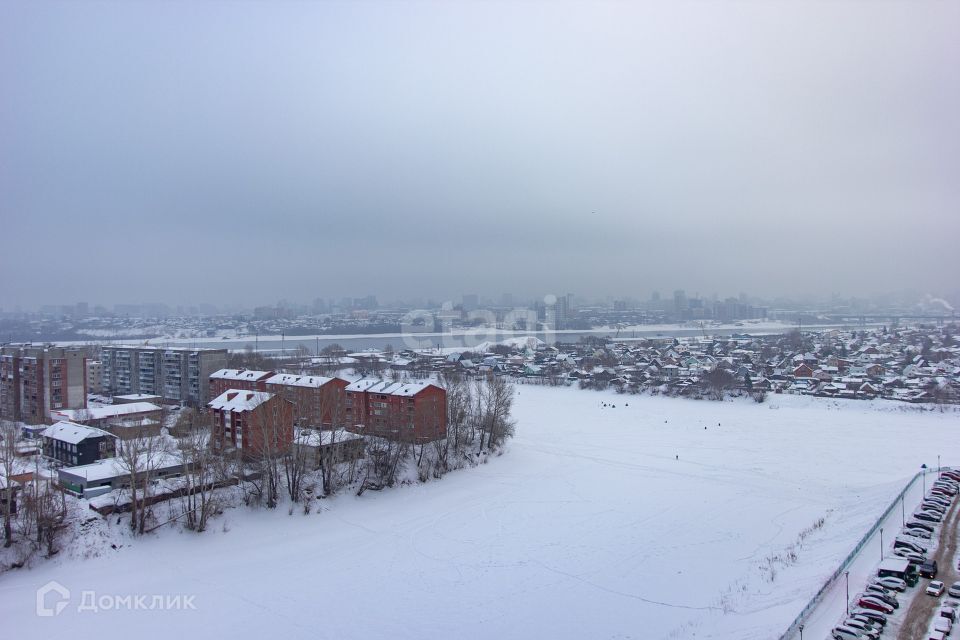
column 34, row 511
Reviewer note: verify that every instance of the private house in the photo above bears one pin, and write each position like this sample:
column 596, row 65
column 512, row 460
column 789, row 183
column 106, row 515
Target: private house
column 76, row 444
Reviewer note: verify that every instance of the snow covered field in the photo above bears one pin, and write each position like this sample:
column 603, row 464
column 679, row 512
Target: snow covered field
column 640, row 521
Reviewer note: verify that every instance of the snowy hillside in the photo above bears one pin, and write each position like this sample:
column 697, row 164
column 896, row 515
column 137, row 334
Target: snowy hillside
column 666, row 518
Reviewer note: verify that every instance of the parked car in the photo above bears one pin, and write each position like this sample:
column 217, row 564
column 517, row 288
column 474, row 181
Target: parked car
column 935, row 588
column 939, row 500
column 846, row 633
column 892, row 583
column 936, row 635
column 933, row 506
column 884, row 595
column 948, row 612
column 916, row 524
column 927, row 516
column 952, row 475
column 912, row 556
column 865, row 628
column 872, row 616
column 928, row 569
column 954, row 590
column 875, row 604
column 916, row 547
column 917, row 533
column 943, row 625
column 939, row 491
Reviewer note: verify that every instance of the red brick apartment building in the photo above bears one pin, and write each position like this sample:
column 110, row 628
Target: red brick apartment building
column 38, row 379
column 317, row 401
column 414, row 411
column 249, row 420
column 248, row 379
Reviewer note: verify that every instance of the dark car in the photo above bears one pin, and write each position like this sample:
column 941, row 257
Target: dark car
column 887, row 597
column 872, row 616
column 927, row 516
column 913, row 546
column 928, row 569
column 926, row 526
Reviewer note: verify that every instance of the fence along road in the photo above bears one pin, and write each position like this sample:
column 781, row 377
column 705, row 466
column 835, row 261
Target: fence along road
column 826, row 609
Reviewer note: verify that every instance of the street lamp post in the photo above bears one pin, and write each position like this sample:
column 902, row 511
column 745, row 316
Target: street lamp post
column 801, row 632
column 847, row 574
column 903, row 513
column 881, row 544
column 938, row 464
column 923, row 471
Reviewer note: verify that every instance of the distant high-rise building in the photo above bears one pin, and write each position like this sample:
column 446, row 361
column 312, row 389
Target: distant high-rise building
column 561, row 312
column 36, row 379
column 680, row 303
column 506, row 300
column 470, row 302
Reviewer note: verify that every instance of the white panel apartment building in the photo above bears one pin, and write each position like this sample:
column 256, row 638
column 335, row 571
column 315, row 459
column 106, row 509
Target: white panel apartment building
column 179, row 374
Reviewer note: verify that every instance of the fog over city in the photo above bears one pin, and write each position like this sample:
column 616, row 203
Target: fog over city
column 217, row 152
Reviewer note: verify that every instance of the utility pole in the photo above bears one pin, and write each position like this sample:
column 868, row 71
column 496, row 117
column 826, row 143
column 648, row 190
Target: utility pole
column 847, row 573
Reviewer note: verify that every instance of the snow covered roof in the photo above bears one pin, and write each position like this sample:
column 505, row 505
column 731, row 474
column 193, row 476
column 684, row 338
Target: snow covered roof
column 73, row 433
column 109, row 411
column 239, row 400
column 386, row 387
column 296, row 380
column 322, row 438
column 363, row 384
column 108, row 468
column 240, row 374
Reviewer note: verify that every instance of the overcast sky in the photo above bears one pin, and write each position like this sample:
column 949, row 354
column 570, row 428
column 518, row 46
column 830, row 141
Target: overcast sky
column 246, row 152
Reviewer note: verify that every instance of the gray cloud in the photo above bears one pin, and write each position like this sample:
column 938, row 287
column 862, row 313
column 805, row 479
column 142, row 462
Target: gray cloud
column 435, row 148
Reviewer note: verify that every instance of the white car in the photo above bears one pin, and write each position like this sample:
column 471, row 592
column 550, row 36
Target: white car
column 846, row 633
column 942, row 625
column 935, row 588
column 892, row 583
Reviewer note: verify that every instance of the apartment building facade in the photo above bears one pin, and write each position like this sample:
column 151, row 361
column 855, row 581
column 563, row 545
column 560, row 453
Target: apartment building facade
column 38, row 379
column 410, row 411
column 178, row 374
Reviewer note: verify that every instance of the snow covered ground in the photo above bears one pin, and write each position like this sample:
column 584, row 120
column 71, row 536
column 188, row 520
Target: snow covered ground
column 667, row 518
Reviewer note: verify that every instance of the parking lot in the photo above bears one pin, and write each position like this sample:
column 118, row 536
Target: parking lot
column 909, row 596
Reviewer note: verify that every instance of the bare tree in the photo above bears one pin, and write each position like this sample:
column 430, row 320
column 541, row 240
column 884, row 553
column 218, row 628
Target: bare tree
column 203, row 471
column 718, row 382
column 497, row 403
column 9, row 437
column 139, row 458
column 42, row 514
